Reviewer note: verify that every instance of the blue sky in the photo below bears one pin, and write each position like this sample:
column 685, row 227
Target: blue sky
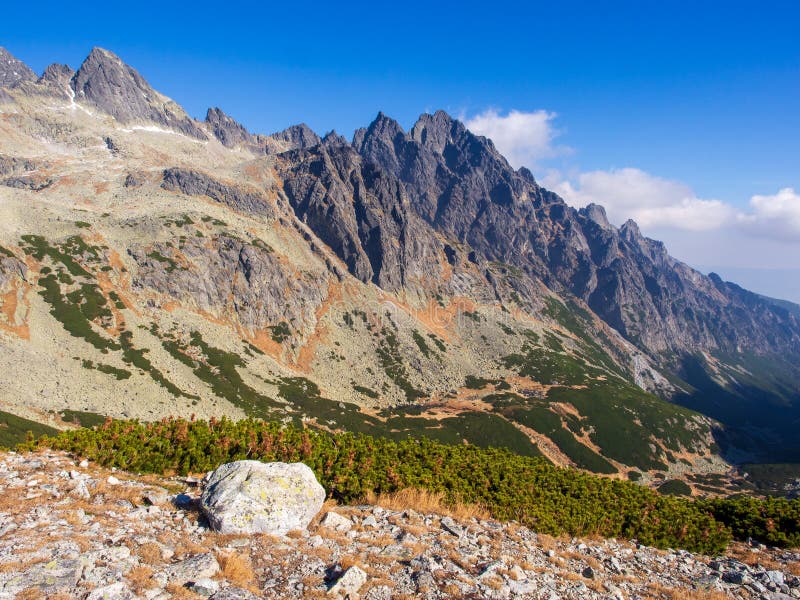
column 693, row 105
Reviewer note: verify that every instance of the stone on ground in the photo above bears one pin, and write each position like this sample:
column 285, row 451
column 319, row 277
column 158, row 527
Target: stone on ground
column 248, row 496
column 349, row 583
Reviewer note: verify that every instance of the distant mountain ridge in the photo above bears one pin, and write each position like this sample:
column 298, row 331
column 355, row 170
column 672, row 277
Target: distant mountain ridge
column 296, row 245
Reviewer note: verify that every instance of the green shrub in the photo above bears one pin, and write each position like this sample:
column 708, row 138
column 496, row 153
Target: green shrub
column 512, row 487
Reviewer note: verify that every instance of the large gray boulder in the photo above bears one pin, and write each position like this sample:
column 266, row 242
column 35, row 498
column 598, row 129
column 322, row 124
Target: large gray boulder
column 249, row 497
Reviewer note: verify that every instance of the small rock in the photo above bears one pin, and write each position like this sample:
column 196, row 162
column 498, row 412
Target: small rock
column 233, row 593
column 83, row 464
column 155, row 497
column 204, row 586
column 588, row 572
column 349, row 583
column 112, row 480
column 734, row 577
column 450, row 526
column 776, row 577
column 81, row 490
column 370, row 521
column 333, row 520
column 192, row 569
column 115, row 591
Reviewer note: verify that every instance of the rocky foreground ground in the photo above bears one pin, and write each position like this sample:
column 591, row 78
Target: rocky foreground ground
column 69, row 529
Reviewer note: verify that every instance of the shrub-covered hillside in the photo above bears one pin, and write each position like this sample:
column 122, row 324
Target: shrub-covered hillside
column 512, row 487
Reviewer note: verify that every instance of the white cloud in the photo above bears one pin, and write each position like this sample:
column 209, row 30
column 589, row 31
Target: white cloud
column 649, row 200
column 658, row 203
column 522, row 137
column 774, row 216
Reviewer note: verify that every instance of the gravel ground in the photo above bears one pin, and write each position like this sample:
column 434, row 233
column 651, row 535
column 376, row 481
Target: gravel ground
column 69, row 529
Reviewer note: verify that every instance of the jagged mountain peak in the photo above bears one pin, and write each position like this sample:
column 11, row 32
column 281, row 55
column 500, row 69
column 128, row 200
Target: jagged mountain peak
column 596, row 214
column 13, row 70
column 57, row 72
column 105, row 82
column 299, row 136
column 226, row 129
column 334, row 139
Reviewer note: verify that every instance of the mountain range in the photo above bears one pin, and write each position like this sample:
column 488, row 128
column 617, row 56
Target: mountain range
column 400, row 283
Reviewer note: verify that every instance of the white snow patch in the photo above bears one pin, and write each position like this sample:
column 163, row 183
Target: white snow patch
column 74, row 105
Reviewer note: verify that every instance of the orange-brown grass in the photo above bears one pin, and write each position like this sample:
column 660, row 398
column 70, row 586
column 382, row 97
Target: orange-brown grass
column 294, row 534
column 426, row 502
column 452, row 590
column 222, row 539
column 794, row 568
column 493, row 581
column 657, row 591
column 178, row 592
column 141, row 579
column 149, row 553
column 37, row 594
column 30, row 594
column 416, row 530
column 237, row 569
column 546, row 542
column 749, row 557
column 348, row 561
column 20, row 565
column 187, row 548
column 321, row 552
column 83, row 542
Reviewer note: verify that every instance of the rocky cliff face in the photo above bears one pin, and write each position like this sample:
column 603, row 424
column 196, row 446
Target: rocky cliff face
column 362, row 213
column 13, row 70
column 462, row 187
column 105, row 82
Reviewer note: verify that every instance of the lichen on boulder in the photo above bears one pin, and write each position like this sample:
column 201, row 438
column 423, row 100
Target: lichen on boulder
column 248, row 496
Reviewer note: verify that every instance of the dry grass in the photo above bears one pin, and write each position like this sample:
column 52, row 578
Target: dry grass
column 178, row 592
column 237, row 569
column 546, row 542
column 753, row 558
column 141, row 579
column 427, row 502
column 20, row 565
column 295, row 534
column 657, row 591
column 794, row 568
column 494, row 582
column 150, row 553
column 188, row 548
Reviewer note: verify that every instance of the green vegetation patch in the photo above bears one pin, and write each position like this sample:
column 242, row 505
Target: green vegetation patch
column 171, row 264
column 391, row 360
column 512, row 487
column 15, row 430
column 280, row 332
column 421, row 344
column 365, row 391
column 675, row 487
column 72, row 311
column 540, row 418
column 82, row 418
column 65, row 254
column 107, row 369
column 136, row 357
column 219, row 370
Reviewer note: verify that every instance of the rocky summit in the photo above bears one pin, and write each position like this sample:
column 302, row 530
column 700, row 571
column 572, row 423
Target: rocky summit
column 70, row 529
column 400, row 284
